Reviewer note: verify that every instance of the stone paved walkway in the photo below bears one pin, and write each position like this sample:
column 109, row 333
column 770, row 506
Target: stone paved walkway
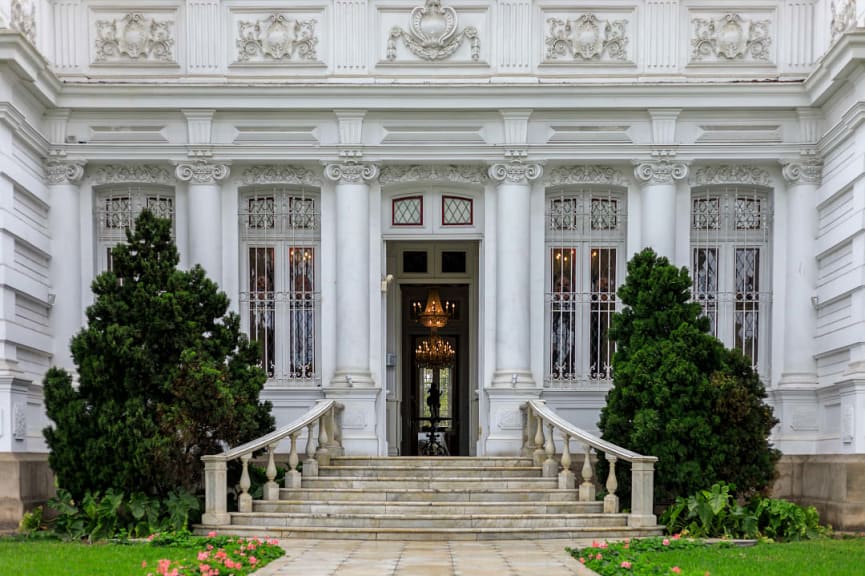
column 383, row 558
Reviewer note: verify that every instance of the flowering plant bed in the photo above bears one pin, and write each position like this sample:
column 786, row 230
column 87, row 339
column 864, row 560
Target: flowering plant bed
column 215, row 555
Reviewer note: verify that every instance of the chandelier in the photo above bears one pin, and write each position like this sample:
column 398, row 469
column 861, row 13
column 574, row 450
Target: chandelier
column 434, row 352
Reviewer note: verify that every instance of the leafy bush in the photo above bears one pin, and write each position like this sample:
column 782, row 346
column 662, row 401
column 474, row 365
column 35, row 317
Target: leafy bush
column 102, row 516
column 164, row 377
column 679, row 394
column 714, row 513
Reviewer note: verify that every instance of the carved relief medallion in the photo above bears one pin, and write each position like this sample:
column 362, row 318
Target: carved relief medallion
column 730, row 37
column 277, row 38
column 433, row 33
column 586, row 38
column 134, row 37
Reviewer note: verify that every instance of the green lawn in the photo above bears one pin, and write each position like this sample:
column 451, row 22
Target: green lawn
column 815, row 558
column 56, row 558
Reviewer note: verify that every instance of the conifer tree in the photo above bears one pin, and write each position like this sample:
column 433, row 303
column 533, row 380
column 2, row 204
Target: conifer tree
column 164, row 376
column 678, row 394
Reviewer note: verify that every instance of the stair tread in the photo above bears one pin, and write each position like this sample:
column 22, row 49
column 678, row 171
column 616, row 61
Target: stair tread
column 423, row 516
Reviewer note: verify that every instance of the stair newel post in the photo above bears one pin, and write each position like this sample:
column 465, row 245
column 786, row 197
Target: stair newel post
column 567, row 480
column 215, row 493
column 551, row 467
column 642, row 493
column 292, row 477
column 587, row 488
column 310, row 465
column 337, row 431
column 271, row 488
column 526, row 419
column 539, row 455
column 244, row 501
column 611, row 501
column 322, row 454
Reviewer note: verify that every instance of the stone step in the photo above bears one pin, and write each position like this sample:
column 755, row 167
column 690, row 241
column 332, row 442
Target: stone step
column 412, row 508
column 428, row 461
column 491, row 473
column 443, row 483
column 430, row 534
column 430, row 521
column 396, row 494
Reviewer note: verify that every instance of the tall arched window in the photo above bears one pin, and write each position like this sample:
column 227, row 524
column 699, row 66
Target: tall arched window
column 116, row 209
column 280, row 292
column 585, row 239
column 730, row 265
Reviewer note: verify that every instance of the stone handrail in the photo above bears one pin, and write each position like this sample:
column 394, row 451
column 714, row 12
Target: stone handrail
column 323, row 414
column 542, row 448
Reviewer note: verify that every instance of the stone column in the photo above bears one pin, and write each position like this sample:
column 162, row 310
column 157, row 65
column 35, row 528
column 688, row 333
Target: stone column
column 64, row 274
column 205, row 214
column 803, row 179
column 658, row 193
column 513, row 350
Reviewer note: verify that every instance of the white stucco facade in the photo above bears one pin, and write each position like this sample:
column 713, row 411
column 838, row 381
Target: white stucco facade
column 465, row 135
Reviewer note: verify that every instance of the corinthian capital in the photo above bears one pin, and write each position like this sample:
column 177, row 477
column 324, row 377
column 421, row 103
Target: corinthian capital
column 201, row 172
column 660, row 171
column 64, row 172
column 804, row 172
column 350, row 172
column 515, row 172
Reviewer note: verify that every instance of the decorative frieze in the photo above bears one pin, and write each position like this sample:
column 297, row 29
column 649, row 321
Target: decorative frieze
column 457, row 174
column 843, row 17
column 132, row 173
column 587, row 38
column 660, row 171
column 433, row 34
column 515, row 172
column 585, row 174
column 63, row 172
column 730, row 38
column 805, row 172
column 23, row 16
column 351, row 172
column 732, row 174
column 201, row 172
column 19, row 421
column 134, row 37
column 280, row 174
column 277, row 38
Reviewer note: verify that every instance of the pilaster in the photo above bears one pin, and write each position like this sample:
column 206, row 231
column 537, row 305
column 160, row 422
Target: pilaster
column 659, row 180
column 661, row 37
column 351, row 42
column 67, row 15
column 203, row 36
column 13, row 408
column 514, row 36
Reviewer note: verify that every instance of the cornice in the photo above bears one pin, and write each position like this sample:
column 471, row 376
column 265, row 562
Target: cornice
column 17, row 122
column 457, row 174
column 31, row 67
column 830, row 73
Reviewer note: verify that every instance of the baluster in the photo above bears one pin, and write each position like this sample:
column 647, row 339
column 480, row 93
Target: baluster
column 551, row 467
column 322, row 454
column 539, row 454
column 587, row 488
column 244, row 501
column 310, row 465
column 292, row 477
column 271, row 488
column 611, row 501
column 567, row 480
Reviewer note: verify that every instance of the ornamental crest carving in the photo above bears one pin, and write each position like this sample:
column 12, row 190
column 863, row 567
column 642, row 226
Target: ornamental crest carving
column 134, row 37
column 730, row 174
column 591, row 174
column 275, row 174
column 277, row 38
column 730, row 37
column 587, row 38
column 143, row 173
column 433, row 34
column 23, row 16
column 843, row 16
column 450, row 173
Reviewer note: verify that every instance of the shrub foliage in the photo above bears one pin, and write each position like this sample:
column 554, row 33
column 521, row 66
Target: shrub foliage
column 164, row 376
column 679, row 394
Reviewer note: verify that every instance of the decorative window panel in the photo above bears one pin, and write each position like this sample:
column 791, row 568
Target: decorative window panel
column 457, row 211
column 280, row 232
column 116, row 209
column 407, row 211
column 730, row 233
column 585, row 238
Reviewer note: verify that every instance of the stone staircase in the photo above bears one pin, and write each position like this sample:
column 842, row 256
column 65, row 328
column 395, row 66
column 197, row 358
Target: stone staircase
column 442, row 498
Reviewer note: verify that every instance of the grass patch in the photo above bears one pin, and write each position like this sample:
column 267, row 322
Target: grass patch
column 48, row 557
column 694, row 558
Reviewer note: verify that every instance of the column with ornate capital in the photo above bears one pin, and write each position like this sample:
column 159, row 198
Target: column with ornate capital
column 658, row 197
column 63, row 179
column 803, row 178
column 513, row 350
column 352, row 272
column 205, row 214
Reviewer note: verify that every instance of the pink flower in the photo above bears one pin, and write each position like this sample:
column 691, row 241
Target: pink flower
column 676, row 536
column 595, row 544
column 164, row 565
column 203, row 555
column 582, row 560
column 627, row 546
column 144, row 563
column 253, row 560
column 676, row 570
column 211, row 534
column 599, row 557
column 603, row 546
column 666, row 542
column 626, row 565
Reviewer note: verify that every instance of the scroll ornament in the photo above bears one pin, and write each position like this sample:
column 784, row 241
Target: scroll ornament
column 433, row 34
